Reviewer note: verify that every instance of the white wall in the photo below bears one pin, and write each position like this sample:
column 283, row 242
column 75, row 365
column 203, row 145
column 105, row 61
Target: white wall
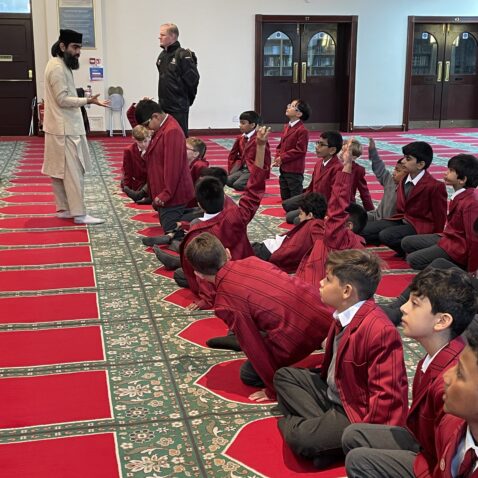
column 221, row 33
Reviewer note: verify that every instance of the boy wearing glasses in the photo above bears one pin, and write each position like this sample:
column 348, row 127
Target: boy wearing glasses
column 169, row 180
column 323, row 177
column 291, row 150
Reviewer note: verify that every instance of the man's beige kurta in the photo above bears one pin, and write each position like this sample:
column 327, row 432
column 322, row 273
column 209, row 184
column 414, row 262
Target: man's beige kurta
column 62, row 118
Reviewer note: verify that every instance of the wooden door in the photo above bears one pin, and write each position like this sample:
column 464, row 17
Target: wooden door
column 459, row 106
column 280, row 70
column 17, row 85
column 427, row 75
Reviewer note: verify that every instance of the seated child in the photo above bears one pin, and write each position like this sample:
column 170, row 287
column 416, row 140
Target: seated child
column 134, row 181
column 457, row 437
column 326, row 149
column 342, row 225
column 358, row 178
column 291, row 150
column 362, row 377
column 286, row 250
column 457, row 241
column 389, row 181
column 243, row 152
column 229, row 225
column 277, row 319
column 421, row 202
column 442, row 304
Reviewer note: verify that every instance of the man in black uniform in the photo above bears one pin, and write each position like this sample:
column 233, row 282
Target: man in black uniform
column 178, row 76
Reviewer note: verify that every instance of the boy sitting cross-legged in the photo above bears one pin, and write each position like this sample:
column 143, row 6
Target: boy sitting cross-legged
column 362, row 377
column 277, row 319
column 286, row 250
column 442, row 304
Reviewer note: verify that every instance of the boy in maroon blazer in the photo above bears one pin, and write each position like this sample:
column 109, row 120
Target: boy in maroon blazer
column 458, row 433
column 134, row 180
column 458, row 239
column 291, row 150
column 242, row 155
column 328, row 164
column 421, row 202
column 286, row 250
column 358, row 178
column 169, row 180
column 362, row 377
column 342, row 225
column 277, row 319
column 442, row 304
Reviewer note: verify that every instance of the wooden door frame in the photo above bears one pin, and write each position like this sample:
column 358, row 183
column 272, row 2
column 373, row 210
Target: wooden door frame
column 412, row 21
column 346, row 124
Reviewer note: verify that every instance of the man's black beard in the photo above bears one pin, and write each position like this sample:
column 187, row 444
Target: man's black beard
column 71, row 61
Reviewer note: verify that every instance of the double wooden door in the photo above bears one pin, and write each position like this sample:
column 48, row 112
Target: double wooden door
column 444, row 76
column 310, row 61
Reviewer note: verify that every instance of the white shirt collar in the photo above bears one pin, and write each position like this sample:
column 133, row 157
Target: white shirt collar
column 207, row 216
column 293, row 123
column 455, row 194
column 428, row 360
column 324, row 163
column 250, row 134
column 465, row 444
column 165, row 118
column 347, row 315
column 415, row 179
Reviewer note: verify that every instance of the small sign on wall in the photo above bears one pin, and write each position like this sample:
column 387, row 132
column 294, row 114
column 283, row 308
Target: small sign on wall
column 96, row 73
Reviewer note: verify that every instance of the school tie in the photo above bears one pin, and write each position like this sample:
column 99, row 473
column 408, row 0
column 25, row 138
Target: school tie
column 407, row 188
column 467, row 465
column 242, row 143
column 338, row 326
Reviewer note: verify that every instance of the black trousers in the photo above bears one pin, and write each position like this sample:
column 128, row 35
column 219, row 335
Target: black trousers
column 183, row 119
column 291, row 184
column 387, row 232
column 261, row 251
column 312, row 425
column 422, row 250
column 170, row 216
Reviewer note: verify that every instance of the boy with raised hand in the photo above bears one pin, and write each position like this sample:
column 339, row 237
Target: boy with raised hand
column 242, row 155
column 442, row 304
column 421, row 202
column 342, row 225
column 275, row 326
column 292, row 149
column 458, row 434
column 458, row 240
column 362, row 377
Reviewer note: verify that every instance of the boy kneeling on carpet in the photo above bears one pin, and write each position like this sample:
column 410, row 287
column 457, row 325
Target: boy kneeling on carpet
column 362, row 377
column 278, row 319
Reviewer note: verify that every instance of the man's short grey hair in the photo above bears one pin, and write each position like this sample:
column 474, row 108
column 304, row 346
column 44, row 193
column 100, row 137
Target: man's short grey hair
column 172, row 28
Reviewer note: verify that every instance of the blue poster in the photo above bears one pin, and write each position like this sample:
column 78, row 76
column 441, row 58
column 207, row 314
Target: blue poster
column 96, row 73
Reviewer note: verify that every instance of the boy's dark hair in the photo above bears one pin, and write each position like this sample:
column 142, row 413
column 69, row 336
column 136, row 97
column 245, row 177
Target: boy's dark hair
column 304, row 108
column 215, row 172
column 449, row 291
column 334, row 140
column 314, row 203
column 358, row 267
column 198, row 145
column 210, row 194
column 421, row 151
column 472, row 337
column 206, row 254
column 145, row 109
column 357, row 216
column 250, row 116
column 465, row 166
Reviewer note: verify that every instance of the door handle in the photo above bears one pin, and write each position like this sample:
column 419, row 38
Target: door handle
column 439, row 71
column 447, row 71
column 295, row 77
column 1, row 79
column 304, row 72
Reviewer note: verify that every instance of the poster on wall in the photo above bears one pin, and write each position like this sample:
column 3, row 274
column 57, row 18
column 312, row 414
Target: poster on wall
column 78, row 15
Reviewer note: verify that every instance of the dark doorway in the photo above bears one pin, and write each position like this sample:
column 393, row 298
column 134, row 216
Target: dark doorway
column 17, row 74
column 311, row 58
column 442, row 73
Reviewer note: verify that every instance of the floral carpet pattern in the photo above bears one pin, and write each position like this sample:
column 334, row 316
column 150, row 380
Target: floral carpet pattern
column 104, row 368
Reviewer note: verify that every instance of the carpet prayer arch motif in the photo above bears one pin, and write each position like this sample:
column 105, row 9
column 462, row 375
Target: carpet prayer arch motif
column 103, row 371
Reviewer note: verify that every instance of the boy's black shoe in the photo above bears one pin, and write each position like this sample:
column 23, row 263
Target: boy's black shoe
column 156, row 240
column 174, row 246
column 169, row 261
column 228, row 342
column 132, row 194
